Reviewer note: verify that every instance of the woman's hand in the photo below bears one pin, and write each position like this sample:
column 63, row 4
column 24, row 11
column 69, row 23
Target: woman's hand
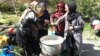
column 97, row 27
column 46, row 22
column 70, row 27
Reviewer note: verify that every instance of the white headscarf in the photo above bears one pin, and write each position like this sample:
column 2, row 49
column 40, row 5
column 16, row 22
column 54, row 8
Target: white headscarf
column 34, row 3
column 95, row 22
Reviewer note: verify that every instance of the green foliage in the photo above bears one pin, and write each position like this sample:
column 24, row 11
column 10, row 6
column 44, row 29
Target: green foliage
column 9, row 8
column 88, row 8
column 9, row 19
column 52, row 5
column 6, row 8
column 17, row 50
column 21, row 8
column 87, row 27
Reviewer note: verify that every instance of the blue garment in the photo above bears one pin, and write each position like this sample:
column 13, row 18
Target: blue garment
column 46, row 15
column 5, row 51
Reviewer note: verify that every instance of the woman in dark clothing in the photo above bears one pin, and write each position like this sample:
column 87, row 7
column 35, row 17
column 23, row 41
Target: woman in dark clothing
column 44, row 20
column 29, row 27
column 74, row 25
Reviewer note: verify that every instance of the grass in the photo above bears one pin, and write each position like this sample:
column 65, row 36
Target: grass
column 89, row 34
column 9, row 19
column 86, row 30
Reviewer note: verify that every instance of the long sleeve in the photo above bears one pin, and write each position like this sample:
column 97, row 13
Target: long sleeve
column 24, row 13
column 61, row 18
column 47, row 15
column 52, row 17
column 80, row 24
column 27, row 16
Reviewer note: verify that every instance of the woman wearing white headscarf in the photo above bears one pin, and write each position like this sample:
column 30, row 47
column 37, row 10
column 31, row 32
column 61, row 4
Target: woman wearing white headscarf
column 28, row 30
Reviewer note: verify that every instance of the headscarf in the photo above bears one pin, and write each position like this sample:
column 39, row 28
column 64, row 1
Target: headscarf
column 61, row 5
column 42, row 4
column 72, row 11
column 33, row 5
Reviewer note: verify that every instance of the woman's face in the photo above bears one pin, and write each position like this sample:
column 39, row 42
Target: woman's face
column 40, row 10
column 66, row 8
column 60, row 8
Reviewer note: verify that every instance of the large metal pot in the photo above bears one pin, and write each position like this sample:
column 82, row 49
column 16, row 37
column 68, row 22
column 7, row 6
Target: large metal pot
column 51, row 45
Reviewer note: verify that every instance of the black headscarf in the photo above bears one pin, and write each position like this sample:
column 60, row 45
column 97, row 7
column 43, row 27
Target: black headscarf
column 72, row 11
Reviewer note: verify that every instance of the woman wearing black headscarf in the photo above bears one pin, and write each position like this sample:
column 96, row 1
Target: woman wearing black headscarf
column 74, row 25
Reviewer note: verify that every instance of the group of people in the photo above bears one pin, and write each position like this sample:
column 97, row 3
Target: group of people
column 73, row 28
column 34, row 24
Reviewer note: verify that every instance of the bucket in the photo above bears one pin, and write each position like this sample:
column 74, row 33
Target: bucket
column 51, row 45
column 3, row 41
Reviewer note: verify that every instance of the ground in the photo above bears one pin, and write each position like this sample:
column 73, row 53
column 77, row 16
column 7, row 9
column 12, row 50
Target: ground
column 91, row 43
column 89, row 48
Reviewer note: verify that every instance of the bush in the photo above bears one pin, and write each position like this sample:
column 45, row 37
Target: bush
column 7, row 8
column 22, row 8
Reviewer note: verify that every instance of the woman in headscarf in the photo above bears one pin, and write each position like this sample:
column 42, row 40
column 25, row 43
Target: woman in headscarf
column 95, row 24
column 74, row 25
column 44, row 19
column 55, row 16
column 28, row 30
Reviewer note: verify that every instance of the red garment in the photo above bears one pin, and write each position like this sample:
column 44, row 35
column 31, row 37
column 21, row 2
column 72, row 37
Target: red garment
column 60, row 10
column 61, row 25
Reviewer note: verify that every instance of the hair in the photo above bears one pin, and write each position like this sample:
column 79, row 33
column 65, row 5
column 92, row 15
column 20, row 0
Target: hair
column 61, row 4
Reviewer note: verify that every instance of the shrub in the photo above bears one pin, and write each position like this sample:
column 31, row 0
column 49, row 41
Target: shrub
column 21, row 8
column 7, row 8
